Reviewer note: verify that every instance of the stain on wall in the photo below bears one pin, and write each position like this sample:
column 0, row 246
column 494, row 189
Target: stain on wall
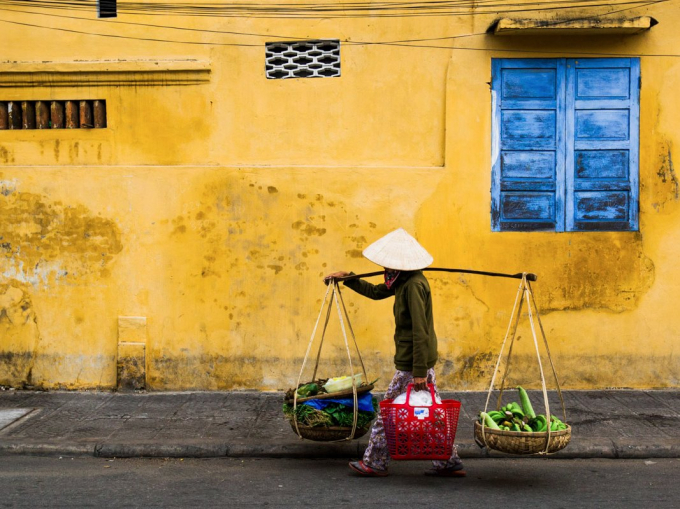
column 666, row 187
column 6, row 155
column 577, row 371
column 42, row 239
column 608, row 272
column 20, row 335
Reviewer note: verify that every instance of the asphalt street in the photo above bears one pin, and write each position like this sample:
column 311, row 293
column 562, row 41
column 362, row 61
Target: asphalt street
column 327, row 483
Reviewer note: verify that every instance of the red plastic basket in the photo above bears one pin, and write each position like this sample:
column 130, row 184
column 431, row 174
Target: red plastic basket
column 420, row 433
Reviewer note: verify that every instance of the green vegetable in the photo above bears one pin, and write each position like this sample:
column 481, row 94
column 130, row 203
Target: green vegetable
column 334, row 414
column 497, row 416
column 308, row 390
column 517, row 411
column 307, row 415
column 512, row 409
column 539, row 423
column 512, row 417
column 488, row 421
column 559, row 425
column 526, row 404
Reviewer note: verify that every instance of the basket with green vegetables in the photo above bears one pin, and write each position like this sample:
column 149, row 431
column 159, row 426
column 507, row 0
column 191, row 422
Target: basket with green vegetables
column 318, row 414
column 515, row 428
column 513, row 417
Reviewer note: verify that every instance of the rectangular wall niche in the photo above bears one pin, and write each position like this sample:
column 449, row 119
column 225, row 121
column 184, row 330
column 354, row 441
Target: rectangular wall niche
column 53, row 114
column 303, row 59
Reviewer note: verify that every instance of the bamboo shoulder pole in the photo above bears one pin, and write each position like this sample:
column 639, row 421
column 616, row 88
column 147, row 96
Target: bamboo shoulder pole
column 529, row 276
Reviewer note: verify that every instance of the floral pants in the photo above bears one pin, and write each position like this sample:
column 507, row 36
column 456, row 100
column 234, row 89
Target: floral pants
column 377, row 455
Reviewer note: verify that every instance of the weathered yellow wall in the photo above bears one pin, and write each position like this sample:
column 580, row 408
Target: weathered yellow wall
column 214, row 209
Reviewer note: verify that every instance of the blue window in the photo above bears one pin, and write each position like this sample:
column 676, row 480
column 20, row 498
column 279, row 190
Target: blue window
column 565, row 144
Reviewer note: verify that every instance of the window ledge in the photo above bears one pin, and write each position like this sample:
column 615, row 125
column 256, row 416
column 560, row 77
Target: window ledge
column 103, row 73
column 626, row 26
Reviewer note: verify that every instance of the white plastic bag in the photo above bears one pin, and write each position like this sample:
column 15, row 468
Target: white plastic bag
column 418, row 398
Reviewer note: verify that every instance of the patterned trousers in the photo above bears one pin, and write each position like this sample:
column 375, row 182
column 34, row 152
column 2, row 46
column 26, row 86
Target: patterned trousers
column 377, row 455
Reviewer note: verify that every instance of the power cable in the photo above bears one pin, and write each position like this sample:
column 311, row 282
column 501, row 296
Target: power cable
column 129, row 36
column 403, row 43
column 427, row 46
column 352, row 42
column 331, row 10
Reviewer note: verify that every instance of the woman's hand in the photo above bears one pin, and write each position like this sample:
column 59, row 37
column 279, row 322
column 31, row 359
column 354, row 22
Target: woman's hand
column 419, row 384
column 335, row 275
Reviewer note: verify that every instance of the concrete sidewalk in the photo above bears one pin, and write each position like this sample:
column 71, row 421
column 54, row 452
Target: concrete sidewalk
column 606, row 424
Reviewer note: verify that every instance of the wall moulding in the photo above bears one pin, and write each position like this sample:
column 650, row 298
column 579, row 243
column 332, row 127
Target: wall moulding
column 104, row 73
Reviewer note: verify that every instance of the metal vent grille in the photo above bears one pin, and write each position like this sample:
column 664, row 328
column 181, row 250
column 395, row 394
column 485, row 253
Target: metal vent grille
column 303, row 59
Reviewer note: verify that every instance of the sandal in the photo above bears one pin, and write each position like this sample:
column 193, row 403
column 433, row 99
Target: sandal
column 361, row 468
column 454, row 471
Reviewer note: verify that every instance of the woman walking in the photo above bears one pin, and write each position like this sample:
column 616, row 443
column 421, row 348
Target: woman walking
column 403, row 259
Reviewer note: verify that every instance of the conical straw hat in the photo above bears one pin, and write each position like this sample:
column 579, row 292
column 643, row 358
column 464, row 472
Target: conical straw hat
column 399, row 251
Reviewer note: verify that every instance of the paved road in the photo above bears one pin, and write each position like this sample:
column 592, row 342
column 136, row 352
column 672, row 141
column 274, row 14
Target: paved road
column 229, row 482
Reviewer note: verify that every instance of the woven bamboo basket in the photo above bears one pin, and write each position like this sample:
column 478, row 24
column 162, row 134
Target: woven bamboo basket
column 328, row 434
column 521, row 442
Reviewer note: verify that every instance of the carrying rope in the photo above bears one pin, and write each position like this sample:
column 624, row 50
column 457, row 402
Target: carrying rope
column 524, row 293
column 335, row 298
column 304, row 361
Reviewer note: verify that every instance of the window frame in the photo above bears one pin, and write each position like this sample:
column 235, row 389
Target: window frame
column 563, row 143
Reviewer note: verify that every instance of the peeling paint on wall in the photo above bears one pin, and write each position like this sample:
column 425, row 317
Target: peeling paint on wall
column 667, row 190
column 598, row 274
column 43, row 240
column 19, row 333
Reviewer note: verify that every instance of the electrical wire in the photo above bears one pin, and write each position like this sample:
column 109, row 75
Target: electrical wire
column 331, row 10
column 402, row 43
column 110, row 21
column 274, row 36
column 266, row 36
column 152, row 39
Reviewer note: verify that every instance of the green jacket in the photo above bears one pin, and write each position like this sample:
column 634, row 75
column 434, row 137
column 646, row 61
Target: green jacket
column 414, row 336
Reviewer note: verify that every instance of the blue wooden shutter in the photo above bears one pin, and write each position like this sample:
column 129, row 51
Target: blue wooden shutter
column 528, row 144
column 602, row 137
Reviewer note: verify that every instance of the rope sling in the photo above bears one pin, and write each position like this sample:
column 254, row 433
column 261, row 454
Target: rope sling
column 524, row 293
column 336, row 297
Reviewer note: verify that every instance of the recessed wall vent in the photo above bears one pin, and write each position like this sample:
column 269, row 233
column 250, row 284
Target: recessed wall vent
column 303, row 59
column 52, row 114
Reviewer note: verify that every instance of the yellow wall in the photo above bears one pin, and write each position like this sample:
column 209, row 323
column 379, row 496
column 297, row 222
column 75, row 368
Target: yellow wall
column 213, row 209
